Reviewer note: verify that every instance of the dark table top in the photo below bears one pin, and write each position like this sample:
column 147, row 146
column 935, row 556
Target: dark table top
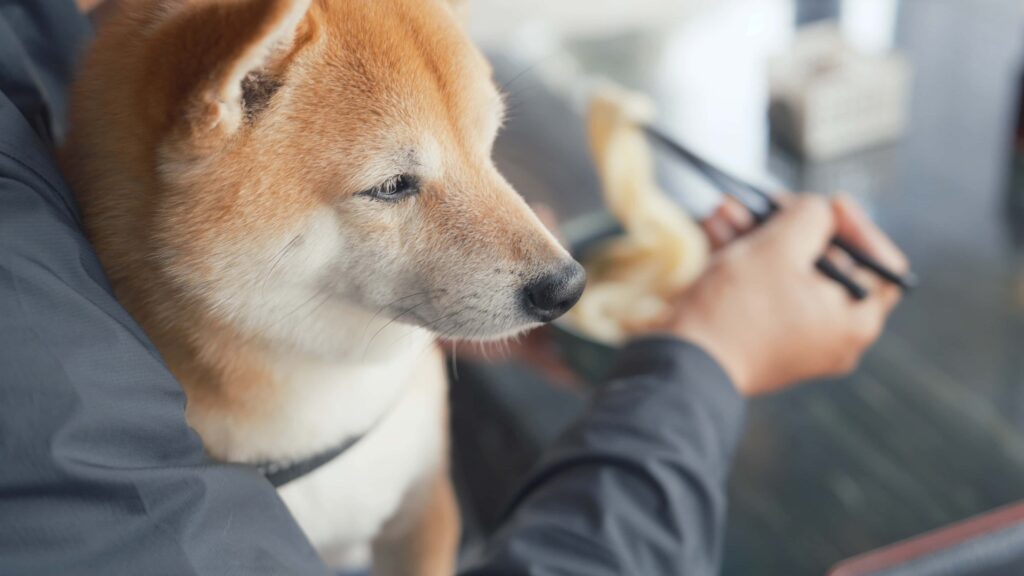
column 931, row 429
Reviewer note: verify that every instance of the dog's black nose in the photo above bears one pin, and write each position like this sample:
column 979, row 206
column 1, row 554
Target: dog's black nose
column 553, row 294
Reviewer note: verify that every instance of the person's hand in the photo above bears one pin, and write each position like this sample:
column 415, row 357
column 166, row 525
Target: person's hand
column 768, row 316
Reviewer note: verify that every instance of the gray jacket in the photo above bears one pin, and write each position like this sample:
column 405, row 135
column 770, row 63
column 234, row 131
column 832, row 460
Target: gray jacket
column 100, row 475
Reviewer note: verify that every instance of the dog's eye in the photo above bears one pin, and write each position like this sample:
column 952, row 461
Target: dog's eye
column 395, row 189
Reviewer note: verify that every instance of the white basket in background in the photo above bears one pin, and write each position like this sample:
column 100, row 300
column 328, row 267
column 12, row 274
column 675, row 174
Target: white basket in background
column 828, row 99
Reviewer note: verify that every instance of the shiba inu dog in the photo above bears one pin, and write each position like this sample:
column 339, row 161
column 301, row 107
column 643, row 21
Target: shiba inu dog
column 295, row 198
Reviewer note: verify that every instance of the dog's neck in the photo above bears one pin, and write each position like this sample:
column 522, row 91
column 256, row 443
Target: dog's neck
column 245, row 394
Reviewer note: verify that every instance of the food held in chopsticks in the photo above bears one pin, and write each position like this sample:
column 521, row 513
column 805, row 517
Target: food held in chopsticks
column 633, row 276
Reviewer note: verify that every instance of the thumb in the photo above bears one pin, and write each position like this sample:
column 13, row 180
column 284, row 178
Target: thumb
column 804, row 226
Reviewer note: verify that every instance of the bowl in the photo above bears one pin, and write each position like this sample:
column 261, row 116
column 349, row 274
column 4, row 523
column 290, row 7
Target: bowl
column 588, row 357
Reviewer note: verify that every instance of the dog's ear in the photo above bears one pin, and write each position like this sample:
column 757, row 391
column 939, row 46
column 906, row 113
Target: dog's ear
column 229, row 59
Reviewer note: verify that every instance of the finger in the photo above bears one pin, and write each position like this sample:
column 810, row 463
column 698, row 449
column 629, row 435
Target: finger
column 854, row 291
column 718, row 231
column 803, row 227
column 887, row 296
column 783, row 197
column 845, row 265
column 854, row 226
column 870, row 316
column 737, row 215
column 882, row 295
column 730, row 220
column 842, row 261
column 866, row 317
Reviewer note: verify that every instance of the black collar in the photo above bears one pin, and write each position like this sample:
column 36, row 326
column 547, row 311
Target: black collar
column 280, row 473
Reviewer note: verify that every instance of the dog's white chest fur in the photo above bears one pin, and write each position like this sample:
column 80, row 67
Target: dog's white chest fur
column 400, row 407
column 346, row 503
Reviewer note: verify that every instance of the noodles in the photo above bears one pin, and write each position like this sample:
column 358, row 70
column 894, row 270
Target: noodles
column 633, row 276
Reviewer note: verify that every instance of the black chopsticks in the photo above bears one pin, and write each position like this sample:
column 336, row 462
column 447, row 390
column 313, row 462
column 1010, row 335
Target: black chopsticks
column 744, row 192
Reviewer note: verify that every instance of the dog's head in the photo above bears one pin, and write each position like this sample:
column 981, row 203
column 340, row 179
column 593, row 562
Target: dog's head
column 320, row 169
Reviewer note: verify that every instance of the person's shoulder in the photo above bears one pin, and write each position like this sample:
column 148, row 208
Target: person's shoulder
column 26, row 159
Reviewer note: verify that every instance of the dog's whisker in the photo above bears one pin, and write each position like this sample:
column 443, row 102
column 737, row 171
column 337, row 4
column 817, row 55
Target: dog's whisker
column 288, row 315
column 455, row 360
column 407, row 334
column 326, row 298
column 436, row 323
column 389, row 323
column 528, row 70
column 276, row 261
column 377, row 314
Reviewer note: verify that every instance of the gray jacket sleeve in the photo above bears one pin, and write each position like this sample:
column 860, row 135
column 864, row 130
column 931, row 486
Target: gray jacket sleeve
column 638, row 486
column 99, row 473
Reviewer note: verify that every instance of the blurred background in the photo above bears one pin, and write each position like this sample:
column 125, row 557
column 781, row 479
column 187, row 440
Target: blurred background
column 912, row 106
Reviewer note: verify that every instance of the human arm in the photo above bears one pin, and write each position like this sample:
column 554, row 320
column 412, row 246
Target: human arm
column 99, row 472
column 638, row 486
